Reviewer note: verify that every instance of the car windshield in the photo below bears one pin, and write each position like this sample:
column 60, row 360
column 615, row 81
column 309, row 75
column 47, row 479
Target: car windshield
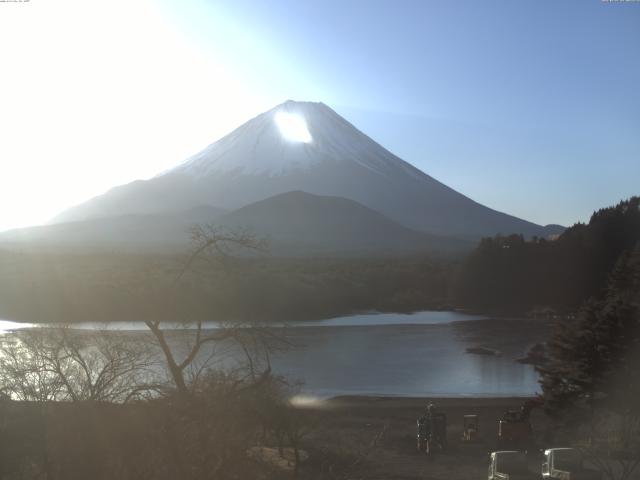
column 568, row 460
column 511, row 463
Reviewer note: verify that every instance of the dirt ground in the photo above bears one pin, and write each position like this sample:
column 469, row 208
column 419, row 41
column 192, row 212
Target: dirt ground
column 375, row 438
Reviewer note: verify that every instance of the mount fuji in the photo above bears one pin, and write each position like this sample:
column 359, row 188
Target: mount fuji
column 308, row 147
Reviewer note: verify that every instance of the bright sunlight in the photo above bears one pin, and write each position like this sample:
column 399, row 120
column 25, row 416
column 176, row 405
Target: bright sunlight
column 293, row 127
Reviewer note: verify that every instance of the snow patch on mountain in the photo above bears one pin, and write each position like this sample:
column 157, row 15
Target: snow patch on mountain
column 259, row 147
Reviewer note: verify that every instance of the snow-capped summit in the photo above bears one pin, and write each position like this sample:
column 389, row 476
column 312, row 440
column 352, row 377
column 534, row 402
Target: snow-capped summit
column 293, row 135
column 305, row 146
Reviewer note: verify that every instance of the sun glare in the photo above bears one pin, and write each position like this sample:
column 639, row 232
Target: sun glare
column 78, row 91
column 293, row 127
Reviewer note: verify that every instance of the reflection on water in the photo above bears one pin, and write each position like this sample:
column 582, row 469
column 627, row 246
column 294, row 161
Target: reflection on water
column 370, row 319
column 365, row 319
column 411, row 360
column 422, row 354
column 7, row 326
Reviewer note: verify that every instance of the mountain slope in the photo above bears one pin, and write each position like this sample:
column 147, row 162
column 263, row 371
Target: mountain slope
column 134, row 232
column 302, row 223
column 294, row 223
column 256, row 161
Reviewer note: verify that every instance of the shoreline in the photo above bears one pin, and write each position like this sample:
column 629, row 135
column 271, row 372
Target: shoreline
column 324, row 322
column 411, row 402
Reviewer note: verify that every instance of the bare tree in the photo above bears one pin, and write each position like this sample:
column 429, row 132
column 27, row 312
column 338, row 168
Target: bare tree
column 288, row 423
column 58, row 364
column 24, row 373
column 213, row 381
column 214, row 247
column 219, row 374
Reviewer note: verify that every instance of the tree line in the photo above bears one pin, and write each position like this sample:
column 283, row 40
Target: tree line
column 50, row 287
column 512, row 274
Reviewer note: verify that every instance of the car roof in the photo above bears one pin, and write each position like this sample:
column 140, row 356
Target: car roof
column 546, row 452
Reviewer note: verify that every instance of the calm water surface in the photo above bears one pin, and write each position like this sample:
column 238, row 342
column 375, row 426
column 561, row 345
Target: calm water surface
column 420, row 354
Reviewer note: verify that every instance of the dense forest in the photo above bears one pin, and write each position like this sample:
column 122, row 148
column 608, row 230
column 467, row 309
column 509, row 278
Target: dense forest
column 510, row 274
column 64, row 287
column 597, row 351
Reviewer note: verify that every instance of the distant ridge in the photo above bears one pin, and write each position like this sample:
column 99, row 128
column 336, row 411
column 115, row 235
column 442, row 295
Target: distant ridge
column 132, row 232
column 312, row 224
column 294, row 223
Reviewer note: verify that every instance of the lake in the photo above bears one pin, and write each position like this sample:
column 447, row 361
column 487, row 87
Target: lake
column 420, row 354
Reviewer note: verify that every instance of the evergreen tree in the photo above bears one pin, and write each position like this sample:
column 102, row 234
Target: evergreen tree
column 596, row 356
column 512, row 274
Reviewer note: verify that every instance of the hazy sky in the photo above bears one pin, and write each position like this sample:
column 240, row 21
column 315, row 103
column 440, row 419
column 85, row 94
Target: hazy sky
column 530, row 107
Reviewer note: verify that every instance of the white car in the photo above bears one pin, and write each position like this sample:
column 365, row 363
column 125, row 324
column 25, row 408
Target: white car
column 509, row 465
column 566, row 464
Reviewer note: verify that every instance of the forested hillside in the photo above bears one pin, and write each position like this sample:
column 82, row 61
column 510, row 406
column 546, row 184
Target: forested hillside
column 512, row 274
column 65, row 287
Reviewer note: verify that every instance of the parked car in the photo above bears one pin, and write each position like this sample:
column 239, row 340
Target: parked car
column 509, row 465
column 566, row 464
